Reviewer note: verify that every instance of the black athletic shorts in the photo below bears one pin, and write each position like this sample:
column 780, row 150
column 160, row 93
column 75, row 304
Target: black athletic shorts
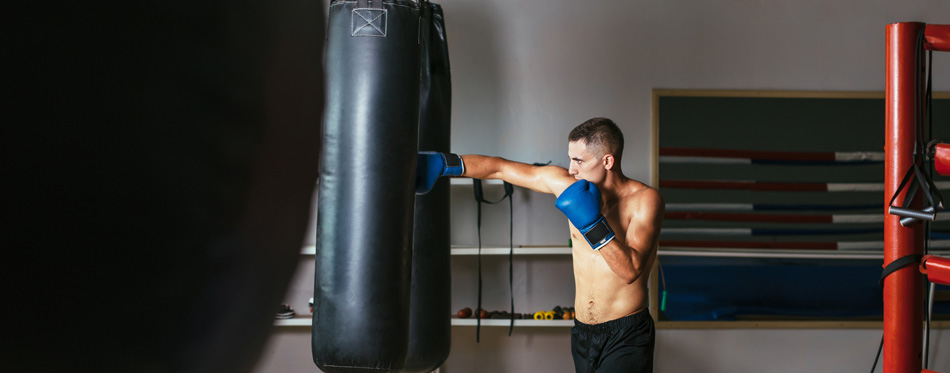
column 621, row 345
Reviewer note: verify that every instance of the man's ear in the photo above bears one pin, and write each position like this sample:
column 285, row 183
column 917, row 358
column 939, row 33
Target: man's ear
column 608, row 161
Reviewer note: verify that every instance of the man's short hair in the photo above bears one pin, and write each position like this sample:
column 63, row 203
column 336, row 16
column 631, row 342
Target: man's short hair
column 601, row 135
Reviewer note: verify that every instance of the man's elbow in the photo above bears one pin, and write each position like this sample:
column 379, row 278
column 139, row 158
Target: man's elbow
column 633, row 273
column 630, row 277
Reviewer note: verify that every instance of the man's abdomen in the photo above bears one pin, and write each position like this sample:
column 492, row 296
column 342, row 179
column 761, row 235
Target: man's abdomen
column 601, row 295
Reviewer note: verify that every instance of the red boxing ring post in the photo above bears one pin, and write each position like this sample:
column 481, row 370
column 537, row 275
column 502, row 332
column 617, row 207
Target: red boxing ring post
column 903, row 289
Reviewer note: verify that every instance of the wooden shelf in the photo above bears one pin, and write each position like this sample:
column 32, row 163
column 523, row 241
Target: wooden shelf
column 778, row 253
column 518, row 322
column 307, row 320
column 794, row 324
column 468, row 181
column 550, row 250
column 698, row 252
column 467, row 250
column 299, row 320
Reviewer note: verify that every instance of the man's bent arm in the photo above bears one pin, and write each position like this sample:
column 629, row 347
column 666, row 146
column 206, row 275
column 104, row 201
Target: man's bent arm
column 544, row 179
column 628, row 261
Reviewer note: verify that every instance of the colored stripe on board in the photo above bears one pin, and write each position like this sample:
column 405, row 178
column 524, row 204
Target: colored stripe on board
column 743, row 185
column 750, row 154
column 855, row 187
column 708, row 231
column 784, row 218
column 767, row 231
column 805, row 207
column 879, row 245
column 844, row 245
column 710, row 206
column 751, row 245
column 809, row 163
column 804, row 232
column 765, row 207
column 857, row 218
column 859, row 156
column 706, row 155
column 788, row 187
column 705, row 160
column 771, row 218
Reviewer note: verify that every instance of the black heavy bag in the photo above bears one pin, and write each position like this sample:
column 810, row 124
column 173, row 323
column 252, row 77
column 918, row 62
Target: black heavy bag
column 367, row 187
column 430, row 316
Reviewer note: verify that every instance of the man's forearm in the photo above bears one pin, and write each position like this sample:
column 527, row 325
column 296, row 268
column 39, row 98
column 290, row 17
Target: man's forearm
column 482, row 167
column 544, row 179
column 626, row 265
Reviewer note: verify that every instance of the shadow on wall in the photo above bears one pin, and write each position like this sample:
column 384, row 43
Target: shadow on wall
column 477, row 76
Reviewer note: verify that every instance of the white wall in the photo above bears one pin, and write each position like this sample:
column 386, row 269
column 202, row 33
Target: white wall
column 525, row 72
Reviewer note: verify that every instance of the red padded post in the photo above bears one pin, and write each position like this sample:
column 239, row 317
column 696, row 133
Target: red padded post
column 942, row 159
column 937, row 38
column 903, row 291
column 936, row 268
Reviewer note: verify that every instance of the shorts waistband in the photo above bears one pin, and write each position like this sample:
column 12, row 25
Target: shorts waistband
column 622, row 322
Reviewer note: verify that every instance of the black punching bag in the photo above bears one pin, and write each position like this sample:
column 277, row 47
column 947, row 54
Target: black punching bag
column 430, row 322
column 367, row 187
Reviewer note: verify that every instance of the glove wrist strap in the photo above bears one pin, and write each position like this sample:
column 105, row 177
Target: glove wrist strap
column 599, row 234
column 453, row 165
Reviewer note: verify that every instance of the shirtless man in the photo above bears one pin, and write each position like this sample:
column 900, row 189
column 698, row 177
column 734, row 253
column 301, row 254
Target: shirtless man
column 614, row 224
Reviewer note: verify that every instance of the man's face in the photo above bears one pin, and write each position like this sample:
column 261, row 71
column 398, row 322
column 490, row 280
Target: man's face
column 584, row 164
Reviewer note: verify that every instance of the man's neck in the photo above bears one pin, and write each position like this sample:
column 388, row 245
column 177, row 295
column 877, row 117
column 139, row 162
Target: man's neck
column 613, row 185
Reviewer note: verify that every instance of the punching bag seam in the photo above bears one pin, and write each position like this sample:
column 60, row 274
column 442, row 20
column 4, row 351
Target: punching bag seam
column 369, row 22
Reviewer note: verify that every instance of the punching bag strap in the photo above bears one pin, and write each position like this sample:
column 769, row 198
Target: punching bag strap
column 479, row 194
column 369, row 4
column 480, row 198
column 917, row 180
column 899, row 263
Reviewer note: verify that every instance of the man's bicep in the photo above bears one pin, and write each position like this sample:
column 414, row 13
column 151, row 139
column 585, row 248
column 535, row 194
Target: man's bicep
column 555, row 179
column 644, row 230
column 543, row 179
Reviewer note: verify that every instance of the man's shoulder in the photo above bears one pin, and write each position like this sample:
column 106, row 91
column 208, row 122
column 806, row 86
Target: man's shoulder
column 637, row 189
column 641, row 195
column 557, row 178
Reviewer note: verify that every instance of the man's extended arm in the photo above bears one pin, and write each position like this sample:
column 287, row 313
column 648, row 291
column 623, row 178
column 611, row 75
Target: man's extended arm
column 545, row 179
column 628, row 260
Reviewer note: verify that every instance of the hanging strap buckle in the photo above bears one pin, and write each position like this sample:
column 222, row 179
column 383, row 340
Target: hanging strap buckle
column 918, row 180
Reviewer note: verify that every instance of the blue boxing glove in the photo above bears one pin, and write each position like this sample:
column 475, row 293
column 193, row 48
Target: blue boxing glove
column 580, row 202
column 431, row 165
